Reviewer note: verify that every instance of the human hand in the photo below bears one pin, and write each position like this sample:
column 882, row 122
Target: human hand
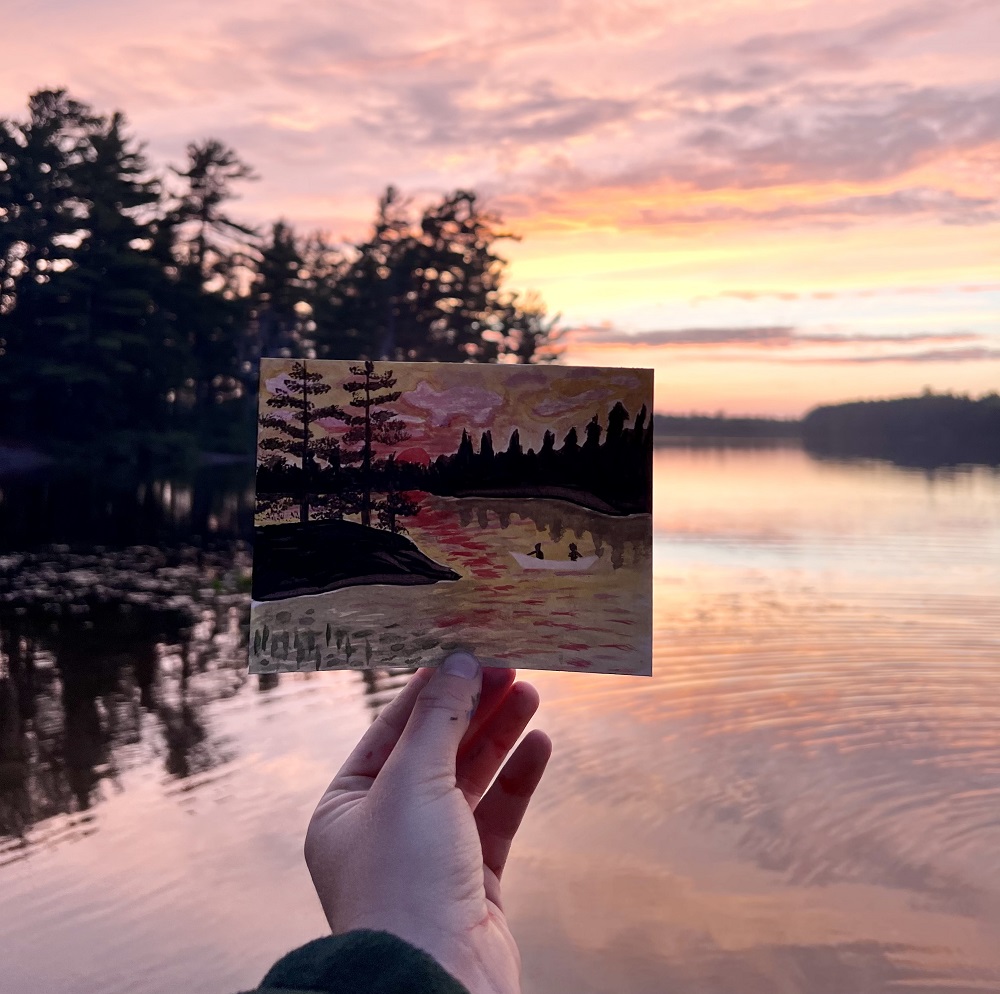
column 407, row 839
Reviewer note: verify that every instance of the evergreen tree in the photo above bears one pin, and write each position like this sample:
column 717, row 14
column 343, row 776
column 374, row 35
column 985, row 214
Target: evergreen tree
column 486, row 447
column 617, row 417
column 118, row 334
column 41, row 217
column 396, row 502
column 486, row 460
column 451, row 280
column 465, row 456
column 89, row 354
column 295, row 433
column 369, row 428
column 591, row 473
column 614, row 462
column 279, row 295
column 215, row 255
column 433, row 289
column 569, row 455
column 547, row 459
column 364, row 315
column 133, row 305
column 523, row 332
column 324, row 266
column 639, row 428
column 216, row 243
column 514, row 449
column 510, row 461
column 592, row 445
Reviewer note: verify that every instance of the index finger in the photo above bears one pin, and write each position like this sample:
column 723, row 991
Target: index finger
column 497, row 682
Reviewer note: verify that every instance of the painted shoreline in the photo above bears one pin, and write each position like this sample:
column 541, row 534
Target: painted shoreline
column 581, row 498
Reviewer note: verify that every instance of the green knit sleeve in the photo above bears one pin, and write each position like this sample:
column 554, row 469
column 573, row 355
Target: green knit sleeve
column 361, row 962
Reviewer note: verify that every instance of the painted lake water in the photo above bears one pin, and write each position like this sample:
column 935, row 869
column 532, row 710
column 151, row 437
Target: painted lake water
column 804, row 798
column 595, row 618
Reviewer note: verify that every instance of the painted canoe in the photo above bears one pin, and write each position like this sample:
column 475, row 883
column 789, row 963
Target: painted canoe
column 530, row 562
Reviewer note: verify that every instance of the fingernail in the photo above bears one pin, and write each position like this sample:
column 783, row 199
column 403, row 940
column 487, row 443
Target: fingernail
column 462, row 664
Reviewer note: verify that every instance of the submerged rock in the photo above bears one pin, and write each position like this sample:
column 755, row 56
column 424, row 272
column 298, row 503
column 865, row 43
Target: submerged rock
column 290, row 560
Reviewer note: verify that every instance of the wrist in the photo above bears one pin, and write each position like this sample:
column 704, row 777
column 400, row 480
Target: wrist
column 493, row 967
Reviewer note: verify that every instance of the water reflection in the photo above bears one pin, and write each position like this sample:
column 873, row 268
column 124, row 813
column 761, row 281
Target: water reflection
column 107, row 661
column 110, row 662
column 695, row 941
column 381, row 685
column 211, row 504
column 559, row 619
column 802, row 799
column 557, row 518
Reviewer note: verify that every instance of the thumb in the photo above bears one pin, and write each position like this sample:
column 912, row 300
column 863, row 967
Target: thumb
column 441, row 716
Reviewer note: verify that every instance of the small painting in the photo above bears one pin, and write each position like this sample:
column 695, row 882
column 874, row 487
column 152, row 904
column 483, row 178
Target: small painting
column 405, row 510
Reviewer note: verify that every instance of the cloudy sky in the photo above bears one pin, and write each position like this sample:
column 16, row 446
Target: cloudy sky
column 439, row 402
column 774, row 204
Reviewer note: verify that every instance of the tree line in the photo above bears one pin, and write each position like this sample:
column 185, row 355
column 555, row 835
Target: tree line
column 719, row 426
column 611, row 461
column 348, row 466
column 926, row 431
column 134, row 306
column 328, row 476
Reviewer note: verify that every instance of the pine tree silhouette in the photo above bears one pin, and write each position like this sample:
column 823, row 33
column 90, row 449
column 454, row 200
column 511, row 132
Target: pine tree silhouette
column 616, row 425
column 486, row 448
column 294, row 397
column 369, row 428
column 465, row 455
column 396, row 503
column 514, row 446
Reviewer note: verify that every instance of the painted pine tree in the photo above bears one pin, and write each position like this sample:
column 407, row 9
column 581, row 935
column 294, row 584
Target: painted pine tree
column 295, row 414
column 369, row 427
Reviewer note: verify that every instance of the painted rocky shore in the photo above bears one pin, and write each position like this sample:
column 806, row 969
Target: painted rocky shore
column 294, row 559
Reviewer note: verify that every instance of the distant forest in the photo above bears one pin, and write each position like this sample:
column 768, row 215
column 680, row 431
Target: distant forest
column 930, row 430
column 927, row 431
column 134, row 305
column 695, row 426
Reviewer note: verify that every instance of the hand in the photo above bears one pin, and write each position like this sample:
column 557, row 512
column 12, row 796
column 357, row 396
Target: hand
column 405, row 841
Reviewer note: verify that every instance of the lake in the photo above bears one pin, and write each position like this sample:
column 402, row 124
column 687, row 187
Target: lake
column 595, row 618
column 804, row 798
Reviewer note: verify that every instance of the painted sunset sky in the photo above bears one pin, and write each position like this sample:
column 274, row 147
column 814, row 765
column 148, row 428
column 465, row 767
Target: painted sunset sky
column 439, row 400
column 774, row 204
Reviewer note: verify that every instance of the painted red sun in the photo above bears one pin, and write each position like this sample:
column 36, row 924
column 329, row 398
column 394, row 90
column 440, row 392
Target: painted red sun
column 414, row 455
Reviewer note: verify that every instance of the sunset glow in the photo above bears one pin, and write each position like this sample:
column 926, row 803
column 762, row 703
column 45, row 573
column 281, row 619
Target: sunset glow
column 773, row 205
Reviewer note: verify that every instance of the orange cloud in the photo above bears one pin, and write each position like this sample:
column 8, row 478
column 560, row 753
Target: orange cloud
column 732, row 164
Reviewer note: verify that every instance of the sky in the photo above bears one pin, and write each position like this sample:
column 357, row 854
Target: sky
column 441, row 400
column 774, row 205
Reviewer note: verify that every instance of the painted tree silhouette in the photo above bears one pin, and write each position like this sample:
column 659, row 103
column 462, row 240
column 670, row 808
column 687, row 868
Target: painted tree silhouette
column 396, row 503
column 294, row 398
column 370, row 427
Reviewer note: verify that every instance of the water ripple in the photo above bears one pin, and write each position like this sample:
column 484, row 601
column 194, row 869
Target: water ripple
column 847, row 737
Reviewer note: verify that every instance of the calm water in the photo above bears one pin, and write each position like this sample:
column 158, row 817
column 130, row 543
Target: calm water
column 804, row 799
column 597, row 619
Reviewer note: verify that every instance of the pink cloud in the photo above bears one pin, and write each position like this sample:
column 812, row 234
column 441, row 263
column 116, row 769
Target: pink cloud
column 279, row 382
column 529, row 377
column 553, row 407
column 470, row 404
